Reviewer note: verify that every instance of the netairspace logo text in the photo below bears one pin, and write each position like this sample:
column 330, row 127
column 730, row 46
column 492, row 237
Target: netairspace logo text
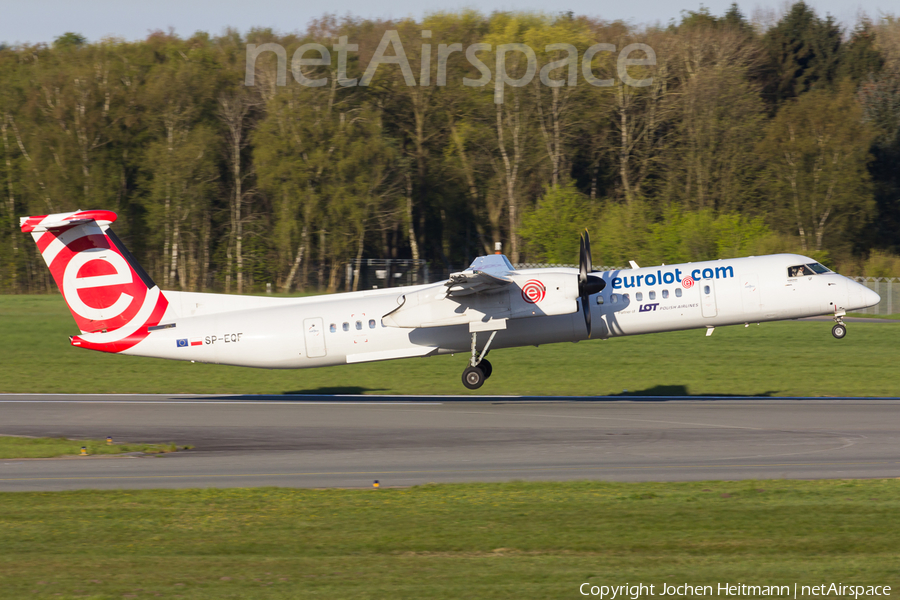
column 318, row 55
column 638, row 590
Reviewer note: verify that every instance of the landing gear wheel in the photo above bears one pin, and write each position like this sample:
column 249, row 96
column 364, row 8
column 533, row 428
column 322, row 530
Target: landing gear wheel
column 473, row 377
column 485, row 366
column 839, row 331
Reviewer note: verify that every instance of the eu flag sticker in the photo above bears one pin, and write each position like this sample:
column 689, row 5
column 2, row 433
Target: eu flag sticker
column 182, row 343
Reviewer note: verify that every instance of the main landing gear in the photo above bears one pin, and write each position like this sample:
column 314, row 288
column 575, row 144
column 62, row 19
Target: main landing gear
column 479, row 369
column 839, row 330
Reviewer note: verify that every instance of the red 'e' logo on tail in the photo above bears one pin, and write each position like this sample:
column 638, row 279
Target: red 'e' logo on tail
column 97, row 282
column 112, row 305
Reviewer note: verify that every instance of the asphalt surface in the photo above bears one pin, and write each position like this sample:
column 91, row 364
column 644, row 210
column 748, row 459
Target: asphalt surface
column 333, row 441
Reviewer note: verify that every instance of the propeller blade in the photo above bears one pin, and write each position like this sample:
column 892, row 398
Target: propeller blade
column 587, row 284
column 586, row 309
column 586, row 240
column 583, row 267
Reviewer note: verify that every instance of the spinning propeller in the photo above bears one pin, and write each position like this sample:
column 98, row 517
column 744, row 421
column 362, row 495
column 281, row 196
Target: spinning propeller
column 587, row 284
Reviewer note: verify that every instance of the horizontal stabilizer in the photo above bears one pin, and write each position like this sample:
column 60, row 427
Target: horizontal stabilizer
column 44, row 223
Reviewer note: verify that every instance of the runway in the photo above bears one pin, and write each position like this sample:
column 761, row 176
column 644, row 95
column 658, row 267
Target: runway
column 347, row 441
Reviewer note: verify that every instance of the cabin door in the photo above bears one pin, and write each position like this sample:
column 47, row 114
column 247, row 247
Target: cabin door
column 707, row 297
column 750, row 293
column 314, row 332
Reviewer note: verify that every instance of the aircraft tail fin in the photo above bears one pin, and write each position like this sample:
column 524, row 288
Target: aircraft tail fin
column 112, row 298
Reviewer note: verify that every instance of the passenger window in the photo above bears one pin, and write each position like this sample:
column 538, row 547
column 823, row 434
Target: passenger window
column 371, row 323
column 358, row 325
column 599, row 299
column 613, row 298
column 332, row 328
column 639, row 296
column 665, row 294
column 678, row 292
column 346, row 326
column 653, row 295
column 706, row 289
column 626, row 298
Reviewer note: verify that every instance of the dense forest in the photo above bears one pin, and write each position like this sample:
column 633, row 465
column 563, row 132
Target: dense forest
column 741, row 137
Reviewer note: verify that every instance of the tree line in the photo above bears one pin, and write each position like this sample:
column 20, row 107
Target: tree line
column 744, row 138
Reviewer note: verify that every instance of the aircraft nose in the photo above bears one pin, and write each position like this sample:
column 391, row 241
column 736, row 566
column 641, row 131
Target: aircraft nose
column 870, row 297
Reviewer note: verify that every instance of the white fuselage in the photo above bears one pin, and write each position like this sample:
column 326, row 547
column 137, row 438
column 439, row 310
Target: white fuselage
column 293, row 333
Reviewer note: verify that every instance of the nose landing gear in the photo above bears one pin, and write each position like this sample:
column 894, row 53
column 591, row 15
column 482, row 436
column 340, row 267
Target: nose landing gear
column 839, row 330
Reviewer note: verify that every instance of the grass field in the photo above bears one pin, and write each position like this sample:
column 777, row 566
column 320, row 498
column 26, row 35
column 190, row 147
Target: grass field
column 779, row 359
column 865, row 316
column 31, row 447
column 514, row 540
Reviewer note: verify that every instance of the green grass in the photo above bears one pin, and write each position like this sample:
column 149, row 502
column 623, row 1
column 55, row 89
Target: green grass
column 779, row 359
column 30, row 447
column 894, row 317
column 513, row 540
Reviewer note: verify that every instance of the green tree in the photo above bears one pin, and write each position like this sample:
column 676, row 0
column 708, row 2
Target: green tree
column 879, row 95
column 709, row 160
column 181, row 160
column 860, row 59
column 805, row 51
column 690, row 236
column 69, row 40
column 551, row 231
column 330, row 169
column 817, row 149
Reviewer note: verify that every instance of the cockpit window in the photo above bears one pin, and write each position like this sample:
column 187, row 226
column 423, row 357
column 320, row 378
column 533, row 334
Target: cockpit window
column 799, row 271
column 810, row 269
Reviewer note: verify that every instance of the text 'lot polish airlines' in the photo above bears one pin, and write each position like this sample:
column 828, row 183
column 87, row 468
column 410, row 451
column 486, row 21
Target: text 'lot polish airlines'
column 490, row 305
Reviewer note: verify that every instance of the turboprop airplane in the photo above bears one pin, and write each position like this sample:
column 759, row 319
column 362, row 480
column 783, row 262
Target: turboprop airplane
column 489, row 305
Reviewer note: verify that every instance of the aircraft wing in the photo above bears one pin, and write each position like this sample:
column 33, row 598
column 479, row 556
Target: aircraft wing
column 473, row 282
column 489, row 291
column 485, row 275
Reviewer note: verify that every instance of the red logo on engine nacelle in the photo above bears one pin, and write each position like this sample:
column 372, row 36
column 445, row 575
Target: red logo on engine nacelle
column 533, row 291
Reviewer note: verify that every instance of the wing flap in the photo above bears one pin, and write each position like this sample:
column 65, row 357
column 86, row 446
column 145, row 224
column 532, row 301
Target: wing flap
column 469, row 282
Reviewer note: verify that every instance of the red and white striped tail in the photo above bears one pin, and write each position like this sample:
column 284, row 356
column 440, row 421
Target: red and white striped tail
column 111, row 297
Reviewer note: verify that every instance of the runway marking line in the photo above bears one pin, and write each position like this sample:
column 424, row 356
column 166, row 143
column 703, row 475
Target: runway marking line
column 249, row 402
column 237, row 395
column 521, row 469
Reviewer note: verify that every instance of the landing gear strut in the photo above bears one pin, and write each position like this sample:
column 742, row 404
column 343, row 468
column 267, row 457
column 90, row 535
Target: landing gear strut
column 479, row 368
column 839, row 330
